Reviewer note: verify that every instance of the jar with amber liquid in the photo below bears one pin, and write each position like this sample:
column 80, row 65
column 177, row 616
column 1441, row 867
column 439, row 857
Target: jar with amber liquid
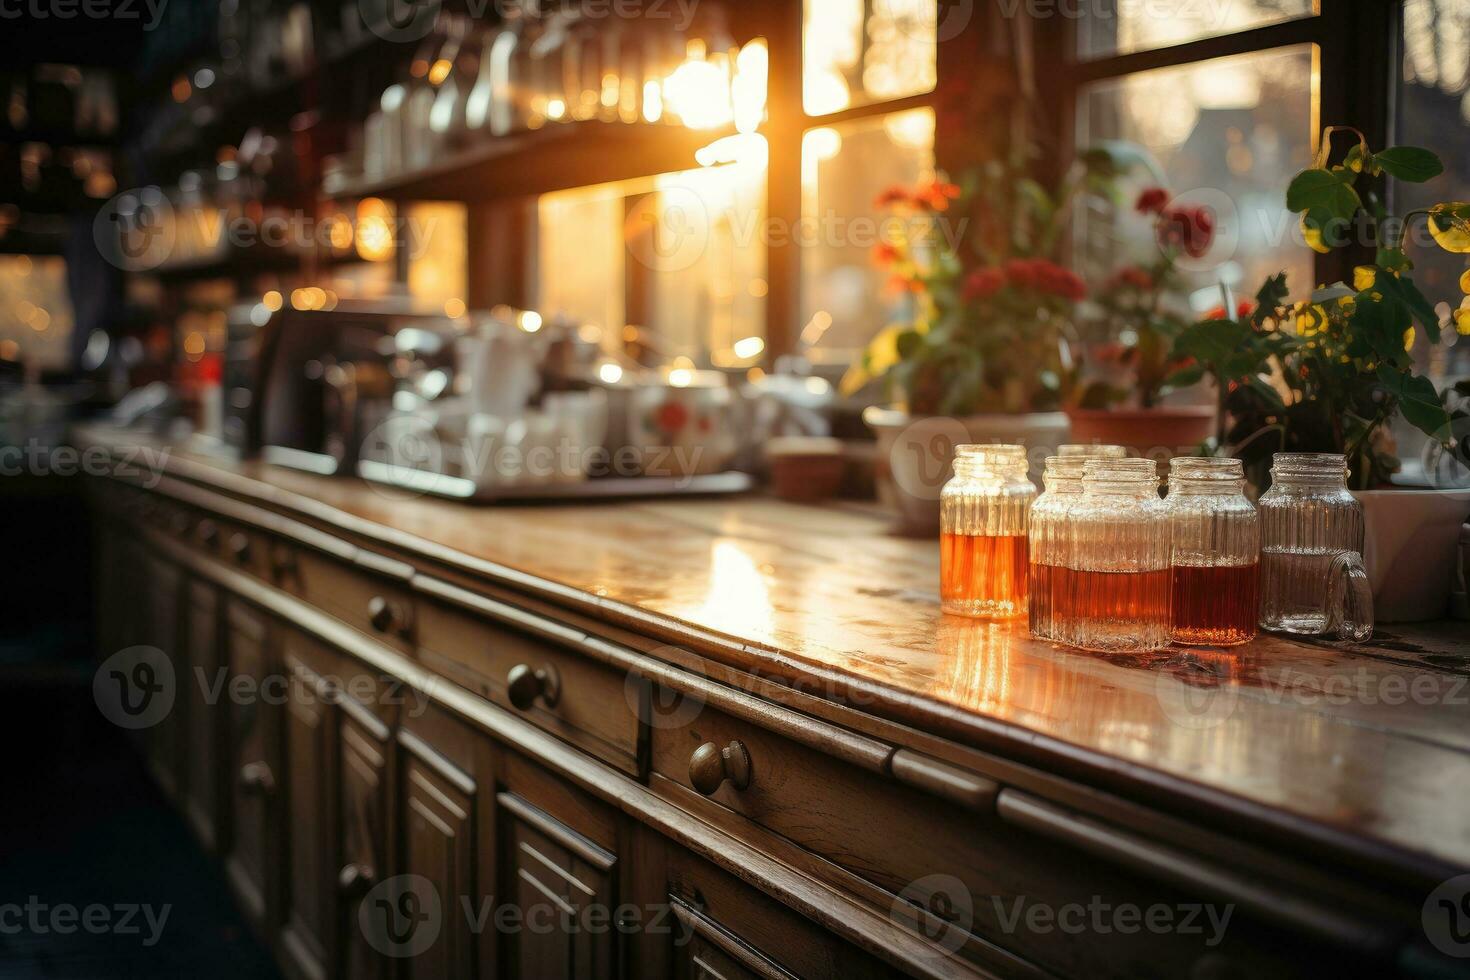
column 1215, row 571
column 1047, row 535
column 1118, row 560
column 983, row 512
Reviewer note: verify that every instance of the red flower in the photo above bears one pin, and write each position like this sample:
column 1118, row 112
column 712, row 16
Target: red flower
column 1043, row 276
column 1021, row 273
column 1133, row 276
column 893, row 195
column 983, row 283
column 1187, row 227
column 903, row 284
column 1151, row 200
column 936, row 195
column 1243, row 309
column 670, row 417
column 884, row 254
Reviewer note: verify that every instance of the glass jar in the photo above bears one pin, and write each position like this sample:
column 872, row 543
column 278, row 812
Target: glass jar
column 1118, row 565
column 1215, row 571
column 982, row 556
column 1312, row 575
column 1046, row 535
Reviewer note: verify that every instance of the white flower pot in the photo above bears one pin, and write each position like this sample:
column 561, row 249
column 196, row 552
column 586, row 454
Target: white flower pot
column 1410, row 542
column 915, row 455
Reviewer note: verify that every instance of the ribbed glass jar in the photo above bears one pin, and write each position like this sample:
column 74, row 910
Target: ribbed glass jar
column 1118, row 565
column 982, row 554
column 1062, row 487
column 1312, row 575
column 1215, row 571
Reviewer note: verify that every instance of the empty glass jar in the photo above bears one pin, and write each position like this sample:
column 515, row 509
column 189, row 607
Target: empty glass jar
column 1312, row 575
column 1215, row 572
column 1047, row 533
column 983, row 512
column 1118, row 563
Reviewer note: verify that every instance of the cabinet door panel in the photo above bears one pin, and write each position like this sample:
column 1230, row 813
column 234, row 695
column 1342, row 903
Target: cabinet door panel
column 557, row 878
column 363, row 832
column 163, row 632
column 252, row 770
column 438, row 804
column 309, row 823
column 203, row 685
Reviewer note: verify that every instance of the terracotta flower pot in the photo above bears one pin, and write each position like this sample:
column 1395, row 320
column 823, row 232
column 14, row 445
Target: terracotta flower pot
column 1157, row 433
column 1410, row 542
column 915, row 454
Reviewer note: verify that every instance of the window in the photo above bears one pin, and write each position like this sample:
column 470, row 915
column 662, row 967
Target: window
column 858, row 52
column 1228, row 133
column 35, row 311
column 1117, row 27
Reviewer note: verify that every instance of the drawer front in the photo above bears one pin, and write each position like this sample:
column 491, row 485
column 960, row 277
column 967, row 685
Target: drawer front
column 580, row 700
column 377, row 605
column 961, row 875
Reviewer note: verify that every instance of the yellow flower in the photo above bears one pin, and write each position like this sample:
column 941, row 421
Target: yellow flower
column 1363, row 277
column 1462, row 322
column 1314, row 237
column 1465, row 281
column 1455, row 237
column 1310, row 319
column 1409, row 339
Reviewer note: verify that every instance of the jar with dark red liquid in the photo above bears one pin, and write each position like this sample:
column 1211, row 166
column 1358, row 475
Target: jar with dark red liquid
column 1214, row 566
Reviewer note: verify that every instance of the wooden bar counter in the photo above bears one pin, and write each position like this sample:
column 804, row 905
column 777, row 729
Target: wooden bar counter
column 741, row 730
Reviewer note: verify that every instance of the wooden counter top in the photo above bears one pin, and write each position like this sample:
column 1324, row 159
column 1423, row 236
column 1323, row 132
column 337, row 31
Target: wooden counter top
column 1362, row 747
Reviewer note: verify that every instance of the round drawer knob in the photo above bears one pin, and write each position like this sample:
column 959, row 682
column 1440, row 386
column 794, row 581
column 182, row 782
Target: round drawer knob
column 523, row 685
column 710, row 767
column 283, row 561
column 355, row 880
column 256, row 779
column 384, row 616
column 179, row 524
column 240, row 547
column 208, row 533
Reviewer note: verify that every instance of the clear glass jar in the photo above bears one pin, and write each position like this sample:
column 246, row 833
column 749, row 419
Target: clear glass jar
column 1047, row 530
column 1118, row 565
column 1312, row 575
column 982, row 555
column 1215, row 571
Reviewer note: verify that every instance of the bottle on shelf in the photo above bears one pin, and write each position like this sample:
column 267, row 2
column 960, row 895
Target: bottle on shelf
column 1215, row 572
column 1312, row 576
column 1117, row 541
column 983, row 512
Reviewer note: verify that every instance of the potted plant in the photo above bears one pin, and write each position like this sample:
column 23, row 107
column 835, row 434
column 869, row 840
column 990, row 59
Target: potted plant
column 980, row 357
column 1328, row 373
column 1120, row 386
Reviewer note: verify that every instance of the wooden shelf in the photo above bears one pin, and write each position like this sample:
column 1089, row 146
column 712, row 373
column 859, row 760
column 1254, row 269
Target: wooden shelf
column 550, row 159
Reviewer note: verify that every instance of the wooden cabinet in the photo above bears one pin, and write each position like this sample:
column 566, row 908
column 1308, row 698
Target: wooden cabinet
column 202, row 690
column 364, row 833
column 564, row 889
column 438, row 849
column 250, row 765
column 161, row 600
column 310, row 829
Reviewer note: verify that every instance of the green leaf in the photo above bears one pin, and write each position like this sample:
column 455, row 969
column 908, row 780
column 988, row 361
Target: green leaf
column 1273, row 293
column 1115, row 157
column 1185, row 377
column 1403, row 289
column 1418, row 401
column 1409, row 163
column 1392, row 259
column 1324, row 191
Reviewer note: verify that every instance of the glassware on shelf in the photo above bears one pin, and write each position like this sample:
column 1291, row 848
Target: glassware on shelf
column 1312, row 575
column 983, row 511
column 546, row 97
column 1118, row 566
column 1215, row 572
column 1047, row 534
column 453, row 72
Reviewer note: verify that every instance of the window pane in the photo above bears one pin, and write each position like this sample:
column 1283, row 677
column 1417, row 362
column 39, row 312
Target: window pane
column 1112, row 27
column 1434, row 112
column 855, row 52
column 35, row 311
column 843, row 169
column 1229, row 134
